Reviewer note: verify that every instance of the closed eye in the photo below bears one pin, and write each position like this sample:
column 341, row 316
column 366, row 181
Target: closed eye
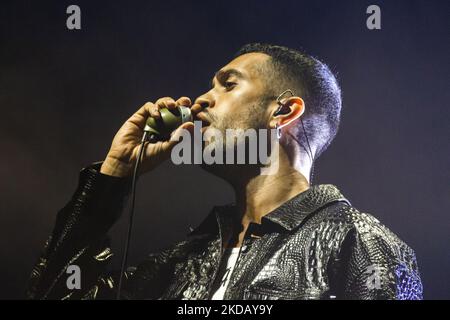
column 229, row 85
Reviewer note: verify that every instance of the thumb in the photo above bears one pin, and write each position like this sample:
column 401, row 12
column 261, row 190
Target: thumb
column 186, row 128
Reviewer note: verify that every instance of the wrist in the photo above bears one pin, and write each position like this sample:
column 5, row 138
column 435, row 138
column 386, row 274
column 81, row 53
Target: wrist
column 115, row 168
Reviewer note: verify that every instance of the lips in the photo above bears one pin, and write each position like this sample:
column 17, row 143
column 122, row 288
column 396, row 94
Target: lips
column 201, row 116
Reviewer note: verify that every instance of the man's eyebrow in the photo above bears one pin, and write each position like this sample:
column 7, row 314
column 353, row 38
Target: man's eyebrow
column 226, row 73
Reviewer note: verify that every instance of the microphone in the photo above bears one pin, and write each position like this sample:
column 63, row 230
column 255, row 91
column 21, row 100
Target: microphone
column 160, row 129
column 155, row 130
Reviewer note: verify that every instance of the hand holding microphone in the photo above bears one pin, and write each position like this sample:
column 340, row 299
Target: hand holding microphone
column 164, row 120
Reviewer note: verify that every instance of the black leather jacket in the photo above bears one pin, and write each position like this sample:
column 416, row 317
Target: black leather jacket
column 314, row 246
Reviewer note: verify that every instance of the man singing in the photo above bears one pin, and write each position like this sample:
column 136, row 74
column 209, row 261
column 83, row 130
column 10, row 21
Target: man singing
column 283, row 238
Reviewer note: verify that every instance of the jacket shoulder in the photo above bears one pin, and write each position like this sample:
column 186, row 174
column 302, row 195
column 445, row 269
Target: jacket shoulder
column 371, row 246
column 365, row 225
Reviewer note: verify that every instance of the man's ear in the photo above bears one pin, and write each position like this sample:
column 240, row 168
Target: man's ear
column 292, row 109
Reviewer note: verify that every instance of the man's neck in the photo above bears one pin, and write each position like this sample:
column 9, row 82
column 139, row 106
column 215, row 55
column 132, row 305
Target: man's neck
column 261, row 194
column 264, row 193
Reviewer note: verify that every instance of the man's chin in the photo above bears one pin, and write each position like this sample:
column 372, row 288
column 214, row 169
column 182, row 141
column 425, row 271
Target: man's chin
column 203, row 129
column 231, row 172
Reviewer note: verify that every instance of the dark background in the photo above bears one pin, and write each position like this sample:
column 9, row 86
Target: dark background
column 63, row 94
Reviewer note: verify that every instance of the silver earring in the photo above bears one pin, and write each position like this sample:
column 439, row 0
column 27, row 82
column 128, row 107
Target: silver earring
column 278, row 128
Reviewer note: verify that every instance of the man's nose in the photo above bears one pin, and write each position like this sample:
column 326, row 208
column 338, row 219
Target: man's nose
column 202, row 103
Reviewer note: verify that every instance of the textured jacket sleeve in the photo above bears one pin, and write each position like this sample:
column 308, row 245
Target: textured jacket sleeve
column 377, row 264
column 79, row 239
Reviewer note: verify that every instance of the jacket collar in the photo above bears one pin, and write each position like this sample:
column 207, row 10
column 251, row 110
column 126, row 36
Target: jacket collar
column 294, row 211
column 288, row 216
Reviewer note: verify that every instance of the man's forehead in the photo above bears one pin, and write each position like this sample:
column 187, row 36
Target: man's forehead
column 247, row 64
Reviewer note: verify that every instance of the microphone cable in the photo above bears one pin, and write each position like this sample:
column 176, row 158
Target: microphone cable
column 133, row 200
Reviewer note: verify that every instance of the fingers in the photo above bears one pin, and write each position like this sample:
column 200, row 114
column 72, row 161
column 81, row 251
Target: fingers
column 154, row 111
column 175, row 135
column 150, row 109
column 169, row 103
column 140, row 116
column 196, row 108
column 186, row 128
column 184, row 101
column 200, row 104
column 166, row 102
column 162, row 149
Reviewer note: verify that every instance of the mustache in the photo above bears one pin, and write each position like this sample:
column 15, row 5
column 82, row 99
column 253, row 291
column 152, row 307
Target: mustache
column 210, row 117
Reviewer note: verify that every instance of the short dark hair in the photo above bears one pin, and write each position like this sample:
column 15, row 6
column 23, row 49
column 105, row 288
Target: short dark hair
column 310, row 79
